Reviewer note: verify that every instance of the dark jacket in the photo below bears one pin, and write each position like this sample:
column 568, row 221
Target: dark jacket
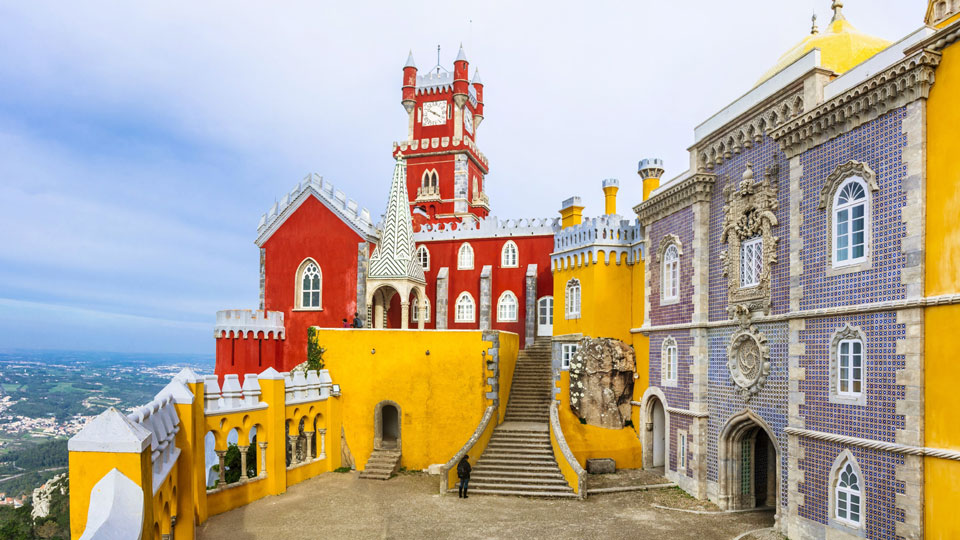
column 463, row 469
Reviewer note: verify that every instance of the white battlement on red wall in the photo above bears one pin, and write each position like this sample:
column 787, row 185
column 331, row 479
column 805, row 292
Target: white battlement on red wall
column 489, row 227
column 611, row 234
column 438, row 143
column 248, row 322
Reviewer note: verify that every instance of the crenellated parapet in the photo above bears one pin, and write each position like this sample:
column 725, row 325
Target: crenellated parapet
column 247, row 323
column 489, row 227
column 326, row 192
column 606, row 238
column 441, row 144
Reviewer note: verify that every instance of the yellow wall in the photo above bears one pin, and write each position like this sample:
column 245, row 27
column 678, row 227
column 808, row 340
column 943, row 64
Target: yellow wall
column 441, row 394
column 605, row 293
column 942, row 323
column 508, row 364
column 88, row 468
column 588, row 442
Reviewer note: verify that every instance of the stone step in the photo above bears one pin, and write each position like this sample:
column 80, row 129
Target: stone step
column 519, row 436
column 526, row 451
column 509, row 467
column 571, row 494
column 519, row 479
column 546, row 488
column 513, row 473
column 495, row 455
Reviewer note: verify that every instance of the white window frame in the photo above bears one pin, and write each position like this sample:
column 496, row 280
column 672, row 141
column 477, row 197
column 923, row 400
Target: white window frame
column 415, row 314
column 670, row 274
column 835, row 232
column 669, row 362
column 299, row 289
column 505, row 255
column 572, row 299
column 423, row 257
column 850, row 379
column 846, row 464
column 508, row 296
column 681, row 451
column 567, row 352
column 465, row 257
column 459, row 314
column 751, row 256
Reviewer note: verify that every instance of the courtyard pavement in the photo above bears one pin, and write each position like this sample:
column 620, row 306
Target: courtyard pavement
column 340, row 505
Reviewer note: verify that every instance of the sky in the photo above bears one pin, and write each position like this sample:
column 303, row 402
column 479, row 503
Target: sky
column 140, row 142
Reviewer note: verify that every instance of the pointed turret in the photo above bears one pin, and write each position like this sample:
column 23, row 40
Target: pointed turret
column 478, row 87
column 409, row 84
column 410, row 63
column 460, row 80
column 461, row 56
column 393, row 257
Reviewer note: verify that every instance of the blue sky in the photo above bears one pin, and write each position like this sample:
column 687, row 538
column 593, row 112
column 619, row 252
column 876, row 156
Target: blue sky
column 141, row 142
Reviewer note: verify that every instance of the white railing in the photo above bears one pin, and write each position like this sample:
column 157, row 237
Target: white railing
column 160, row 418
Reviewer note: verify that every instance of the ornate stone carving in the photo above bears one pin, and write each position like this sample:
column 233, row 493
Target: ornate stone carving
column 665, row 242
column 848, row 169
column 697, row 188
column 750, row 212
column 748, row 359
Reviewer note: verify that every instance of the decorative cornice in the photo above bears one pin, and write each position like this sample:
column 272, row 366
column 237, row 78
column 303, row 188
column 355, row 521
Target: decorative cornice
column 894, row 87
column 894, row 305
column 697, row 188
column 940, row 40
column 881, row 446
column 848, row 169
column 665, row 242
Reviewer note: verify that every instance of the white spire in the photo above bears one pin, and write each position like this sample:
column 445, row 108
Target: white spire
column 393, row 257
column 461, row 55
column 410, row 62
column 476, row 77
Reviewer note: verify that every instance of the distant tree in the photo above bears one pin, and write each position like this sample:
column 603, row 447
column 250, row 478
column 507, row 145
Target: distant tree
column 314, row 351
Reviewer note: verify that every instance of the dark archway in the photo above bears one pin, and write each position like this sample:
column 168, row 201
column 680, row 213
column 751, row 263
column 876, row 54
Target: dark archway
column 387, row 426
column 749, row 462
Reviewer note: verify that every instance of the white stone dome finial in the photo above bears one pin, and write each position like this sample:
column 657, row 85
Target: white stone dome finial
column 837, row 8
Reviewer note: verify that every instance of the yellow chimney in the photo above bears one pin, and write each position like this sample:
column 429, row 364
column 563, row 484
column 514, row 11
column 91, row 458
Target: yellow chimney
column 610, row 188
column 650, row 170
column 571, row 213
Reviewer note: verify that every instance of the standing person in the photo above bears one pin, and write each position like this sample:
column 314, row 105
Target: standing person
column 463, row 472
column 356, row 320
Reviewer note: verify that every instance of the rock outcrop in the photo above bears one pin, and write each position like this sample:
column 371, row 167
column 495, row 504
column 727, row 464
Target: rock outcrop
column 601, row 382
column 43, row 495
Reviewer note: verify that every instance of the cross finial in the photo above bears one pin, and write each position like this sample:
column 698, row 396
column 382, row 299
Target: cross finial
column 837, row 8
column 814, row 29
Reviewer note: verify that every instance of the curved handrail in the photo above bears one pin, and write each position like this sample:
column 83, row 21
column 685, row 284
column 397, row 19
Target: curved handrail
column 488, row 415
column 565, row 451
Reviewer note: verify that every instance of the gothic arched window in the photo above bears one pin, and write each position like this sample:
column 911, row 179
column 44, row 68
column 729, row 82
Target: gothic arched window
column 507, row 307
column 572, row 299
column 848, row 493
column 510, row 255
column 309, row 285
column 465, row 257
column 423, row 257
column 465, row 308
column 671, row 274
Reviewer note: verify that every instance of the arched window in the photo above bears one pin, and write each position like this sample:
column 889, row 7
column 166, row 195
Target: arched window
column 507, row 307
column 309, row 285
column 429, row 183
column 572, row 299
column 423, row 257
column 668, row 361
column 415, row 313
column 465, row 257
column 671, row 274
column 509, row 255
column 466, row 309
column 851, row 222
column 848, row 495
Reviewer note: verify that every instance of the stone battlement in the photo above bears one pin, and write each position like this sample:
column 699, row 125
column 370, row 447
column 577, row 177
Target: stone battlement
column 489, row 227
column 248, row 323
column 441, row 143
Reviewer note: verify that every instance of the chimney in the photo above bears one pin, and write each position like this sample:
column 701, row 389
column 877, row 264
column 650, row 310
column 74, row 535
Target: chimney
column 650, row 170
column 610, row 188
column 571, row 213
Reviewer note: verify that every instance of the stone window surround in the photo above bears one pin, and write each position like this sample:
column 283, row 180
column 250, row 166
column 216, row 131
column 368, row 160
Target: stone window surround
column 456, row 308
column 564, row 347
column 755, row 241
column 847, row 332
column 461, row 264
column 516, row 303
column 683, row 446
column 832, row 521
column 298, row 286
column 856, row 171
column 669, row 342
column 568, row 311
column 503, row 255
column 414, row 317
column 665, row 242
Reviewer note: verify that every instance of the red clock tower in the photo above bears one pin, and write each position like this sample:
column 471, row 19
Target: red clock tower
column 445, row 169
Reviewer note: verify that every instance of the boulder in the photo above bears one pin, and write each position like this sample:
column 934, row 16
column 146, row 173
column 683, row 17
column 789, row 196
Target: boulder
column 601, row 466
column 601, row 382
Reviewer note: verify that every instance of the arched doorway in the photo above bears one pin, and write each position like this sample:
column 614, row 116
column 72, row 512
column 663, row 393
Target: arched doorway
column 654, row 434
column 386, row 422
column 749, row 459
column 383, row 300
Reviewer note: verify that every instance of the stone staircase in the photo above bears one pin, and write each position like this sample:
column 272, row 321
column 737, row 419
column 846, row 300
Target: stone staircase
column 382, row 465
column 519, row 459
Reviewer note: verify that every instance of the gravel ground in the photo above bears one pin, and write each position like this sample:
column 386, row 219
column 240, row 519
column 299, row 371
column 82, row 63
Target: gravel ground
column 407, row 506
column 623, row 478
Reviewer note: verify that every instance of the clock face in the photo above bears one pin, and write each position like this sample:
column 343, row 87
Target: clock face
column 435, row 113
column 468, row 120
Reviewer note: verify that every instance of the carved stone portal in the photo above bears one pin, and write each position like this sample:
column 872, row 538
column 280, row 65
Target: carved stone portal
column 748, row 359
column 750, row 212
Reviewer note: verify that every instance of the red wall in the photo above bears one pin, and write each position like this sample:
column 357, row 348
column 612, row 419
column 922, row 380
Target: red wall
column 486, row 251
column 247, row 354
column 312, row 231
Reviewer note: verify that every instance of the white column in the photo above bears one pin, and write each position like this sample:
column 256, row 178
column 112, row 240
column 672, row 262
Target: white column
column 243, row 463
column 221, row 454
column 308, row 456
column 323, row 442
column 404, row 315
column 263, row 459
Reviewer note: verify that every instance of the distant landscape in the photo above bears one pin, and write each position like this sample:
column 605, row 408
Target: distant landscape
column 46, row 396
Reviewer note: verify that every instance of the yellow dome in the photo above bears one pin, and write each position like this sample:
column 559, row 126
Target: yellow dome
column 841, row 47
